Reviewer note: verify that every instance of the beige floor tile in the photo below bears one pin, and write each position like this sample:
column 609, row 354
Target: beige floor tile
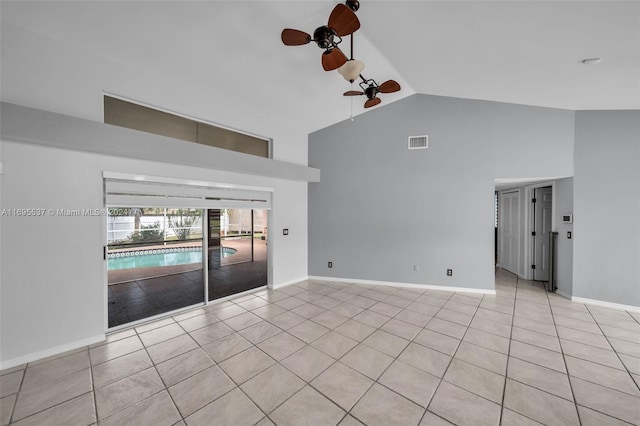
column 591, row 353
column 622, row 334
column 463, row 308
column 290, row 303
column 308, row 310
column 496, row 306
column 372, row 319
column 533, row 325
column 386, row 343
column 540, row 377
column 589, row 417
column 585, row 337
column 511, row 418
column 287, row 320
column 76, row 411
column 425, row 359
column 157, row 410
column 449, row 328
column 194, row 323
column 242, row 321
column 632, row 363
column 119, row 368
column 416, row 318
column 380, row 406
column 10, row 383
column 360, row 301
column 529, row 401
column 229, row 311
column 245, row 365
column 126, row 392
column 112, row 337
column 201, row 389
column 115, row 349
column 281, row 345
column 607, row 401
column 386, row 309
column 401, row 329
column 537, row 339
column 572, row 313
column 307, row 363
column 161, row 334
column 423, row 308
column 494, row 316
column 226, row 347
column 408, row 381
column 367, row 361
column 398, row 301
column 259, row 332
column 211, row 333
column 326, row 302
column 536, row 355
column 253, row 303
column 189, row 314
column 355, row 330
column 234, row 408
column 348, row 310
column 625, row 347
column 51, row 393
column 602, row 375
column 307, row 408
column 330, row 319
column 308, row 331
column 477, row 411
column 491, row 327
column 12, row 369
column 153, row 325
column 431, row 419
column 481, row 357
column 269, row 311
column 334, row 344
column 588, row 326
column 487, row 340
column 477, row 380
column 6, row 408
column 440, row 342
column 272, row 387
column 349, row 421
column 342, row 385
column 183, row 366
column 168, row 349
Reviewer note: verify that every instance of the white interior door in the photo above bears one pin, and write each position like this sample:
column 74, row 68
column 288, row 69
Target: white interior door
column 542, row 226
column 510, row 238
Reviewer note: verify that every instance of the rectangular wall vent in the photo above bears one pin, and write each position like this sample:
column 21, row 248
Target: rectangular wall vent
column 419, row 142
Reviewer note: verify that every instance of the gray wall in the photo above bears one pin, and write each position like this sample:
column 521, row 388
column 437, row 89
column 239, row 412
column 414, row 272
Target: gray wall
column 380, row 208
column 607, row 206
column 564, row 259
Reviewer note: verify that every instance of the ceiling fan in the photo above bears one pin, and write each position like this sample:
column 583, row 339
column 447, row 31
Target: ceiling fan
column 371, row 89
column 342, row 22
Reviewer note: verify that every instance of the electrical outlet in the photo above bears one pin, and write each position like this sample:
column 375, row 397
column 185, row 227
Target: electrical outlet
column 569, row 235
column 285, row 231
column 330, row 264
column 449, row 272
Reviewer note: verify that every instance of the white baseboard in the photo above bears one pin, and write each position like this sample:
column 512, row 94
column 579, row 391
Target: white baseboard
column 406, row 285
column 286, row 283
column 50, row 352
column 606, row 304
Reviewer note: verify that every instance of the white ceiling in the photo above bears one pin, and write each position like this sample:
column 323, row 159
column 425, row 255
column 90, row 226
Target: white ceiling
column 526, row 52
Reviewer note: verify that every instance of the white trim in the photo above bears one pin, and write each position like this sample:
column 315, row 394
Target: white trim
column 51, row 351
column 233, row 296
column 606, row 304
column 406, row 285
column 290, row 282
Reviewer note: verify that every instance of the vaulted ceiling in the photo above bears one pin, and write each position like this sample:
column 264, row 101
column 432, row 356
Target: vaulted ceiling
column 526, row 52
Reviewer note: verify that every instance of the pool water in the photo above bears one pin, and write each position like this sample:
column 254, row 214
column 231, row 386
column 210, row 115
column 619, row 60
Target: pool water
column 160, row 259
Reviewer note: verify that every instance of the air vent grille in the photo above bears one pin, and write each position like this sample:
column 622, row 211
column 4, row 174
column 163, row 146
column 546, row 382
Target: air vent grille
column 419, row 142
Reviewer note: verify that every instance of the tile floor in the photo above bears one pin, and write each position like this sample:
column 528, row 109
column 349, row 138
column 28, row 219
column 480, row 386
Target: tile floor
column 319, row 353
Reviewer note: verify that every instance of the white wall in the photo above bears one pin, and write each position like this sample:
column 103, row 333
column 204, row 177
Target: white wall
column 564, row 266
column 52, row 283
column 606, row 254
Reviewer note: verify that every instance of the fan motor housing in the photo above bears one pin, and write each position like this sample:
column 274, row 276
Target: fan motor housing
column 323, row 36
column 371, row 91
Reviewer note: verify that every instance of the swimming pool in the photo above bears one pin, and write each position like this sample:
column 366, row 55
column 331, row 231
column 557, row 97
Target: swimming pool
column 159, row 257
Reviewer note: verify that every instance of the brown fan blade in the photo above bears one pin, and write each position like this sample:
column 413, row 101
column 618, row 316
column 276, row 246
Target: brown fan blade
column 343, row 21
column 333, row 59
column 352, row 93
column 389, row 86
column 372, row 102
column 292, row 37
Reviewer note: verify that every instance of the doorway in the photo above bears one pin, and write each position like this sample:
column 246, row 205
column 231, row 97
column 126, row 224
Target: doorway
column 541, row 219
column 509, row 224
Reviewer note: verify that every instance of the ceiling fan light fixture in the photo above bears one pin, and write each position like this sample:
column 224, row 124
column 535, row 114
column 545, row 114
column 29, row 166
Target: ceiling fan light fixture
column 351, row 69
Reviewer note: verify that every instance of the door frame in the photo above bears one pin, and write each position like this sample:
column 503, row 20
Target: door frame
column 530, row 225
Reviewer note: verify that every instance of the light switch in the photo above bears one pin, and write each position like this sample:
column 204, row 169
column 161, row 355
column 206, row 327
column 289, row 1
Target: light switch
column 285, row 232
column 568, row 235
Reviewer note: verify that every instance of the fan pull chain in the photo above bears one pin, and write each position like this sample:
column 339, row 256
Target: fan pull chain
column 351, row 102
